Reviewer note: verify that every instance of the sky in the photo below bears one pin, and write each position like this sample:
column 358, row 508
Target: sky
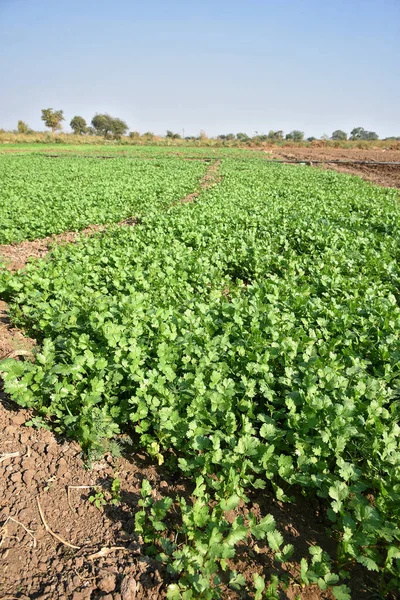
column 222, row 66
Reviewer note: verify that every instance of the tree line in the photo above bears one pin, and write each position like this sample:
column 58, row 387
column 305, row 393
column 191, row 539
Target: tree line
column 114, row 128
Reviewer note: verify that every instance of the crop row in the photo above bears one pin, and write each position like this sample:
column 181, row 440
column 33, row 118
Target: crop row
column 251, row 339
column 41, row 196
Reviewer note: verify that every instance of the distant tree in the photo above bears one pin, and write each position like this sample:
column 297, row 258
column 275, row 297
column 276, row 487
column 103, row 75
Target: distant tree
column 357, row 133
column 90, row 130
column 23, row 127
column 118, row 128
column 311, row 139
column 173, row 136
column 134, row 135
column 370, row 135
column 52, row 118
column 260, row 137
column 295, row 135
column 275, row 136
column 102, row 124
column 107, row 125
column 78, row 125
column 340, row 135
column 149, row 135
column 242, row 137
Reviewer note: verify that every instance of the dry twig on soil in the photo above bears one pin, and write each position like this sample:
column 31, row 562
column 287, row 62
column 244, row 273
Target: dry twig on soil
column 8, row 455
column 106, row 551
column 28, row 531
column 57, row 537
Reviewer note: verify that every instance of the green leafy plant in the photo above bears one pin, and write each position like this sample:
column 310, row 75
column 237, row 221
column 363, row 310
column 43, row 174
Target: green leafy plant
column 253, row 333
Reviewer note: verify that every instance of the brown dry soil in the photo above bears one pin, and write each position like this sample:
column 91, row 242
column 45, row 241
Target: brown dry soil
column 385, row 175
column 55, row 544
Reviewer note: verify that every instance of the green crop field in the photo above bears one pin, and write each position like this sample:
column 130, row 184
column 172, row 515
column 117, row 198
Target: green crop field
column 248, row 340
column 41, row 196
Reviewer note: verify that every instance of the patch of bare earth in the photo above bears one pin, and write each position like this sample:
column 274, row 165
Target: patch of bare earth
column 13, row 342
column 385, row 175
column 15, row 256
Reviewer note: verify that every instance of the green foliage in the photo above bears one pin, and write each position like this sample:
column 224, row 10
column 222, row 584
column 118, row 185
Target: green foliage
column 173, row 136
column 255, row 334
column 340, row 135
column 40, row 196
column 23, row 127
column 242, row 137
column 98, row 498
column 276, row 136
column 106, row 125
column 359, row 133
column 78, row 125
column 52, row 118
column 295, row 135
column 101, row 497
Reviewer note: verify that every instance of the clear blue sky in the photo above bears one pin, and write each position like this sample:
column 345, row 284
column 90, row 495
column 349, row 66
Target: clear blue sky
column 221, row 65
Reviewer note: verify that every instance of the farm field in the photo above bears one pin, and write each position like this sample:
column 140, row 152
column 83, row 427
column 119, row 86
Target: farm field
column 42, row 196
column 239, row 348
column 386, row 175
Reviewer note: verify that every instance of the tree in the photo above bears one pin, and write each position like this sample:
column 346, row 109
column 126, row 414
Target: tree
column 311, row 139
column 295, row 135
column 78, row 125
column 356, row 133
column 118, row 127
column 23, row 127
column 370, row 135
column 102, row 124
column 359, row 133
column 242, row 137
column 173, row 136
column 340, row 135
column 106, row 125
column 52, row 118
column 275, row 136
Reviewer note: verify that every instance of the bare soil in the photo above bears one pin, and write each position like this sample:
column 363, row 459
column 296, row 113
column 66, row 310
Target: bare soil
column 15, row 256
column 385, row 175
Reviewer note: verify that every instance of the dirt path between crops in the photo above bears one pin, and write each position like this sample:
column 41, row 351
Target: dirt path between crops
column 210, row 179
column 385, row 175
